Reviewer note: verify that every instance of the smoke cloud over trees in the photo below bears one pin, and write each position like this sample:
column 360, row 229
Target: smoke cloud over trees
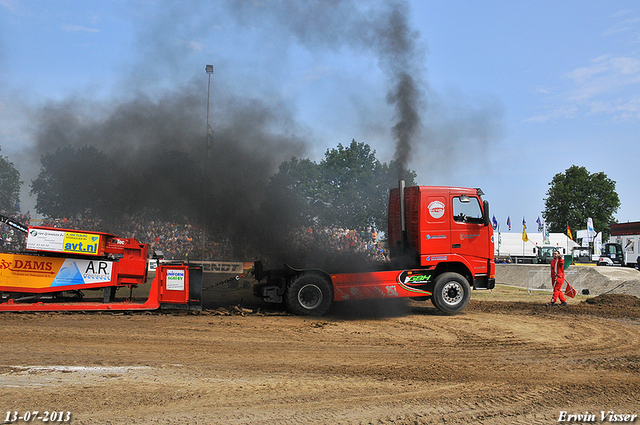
column 144, row 149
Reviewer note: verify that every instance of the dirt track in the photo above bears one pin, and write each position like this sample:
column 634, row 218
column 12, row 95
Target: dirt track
column 505, row 360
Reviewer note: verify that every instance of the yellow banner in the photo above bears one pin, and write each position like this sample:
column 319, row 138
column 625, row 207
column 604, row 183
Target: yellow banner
column 28, row 271
column 81, row 243
column 33, row 272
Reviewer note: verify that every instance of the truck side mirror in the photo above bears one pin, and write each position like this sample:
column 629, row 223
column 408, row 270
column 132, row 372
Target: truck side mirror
column 487, row 220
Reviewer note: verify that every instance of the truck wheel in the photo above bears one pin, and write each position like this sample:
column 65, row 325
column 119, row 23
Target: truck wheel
column 309, row 295
column 451, row 293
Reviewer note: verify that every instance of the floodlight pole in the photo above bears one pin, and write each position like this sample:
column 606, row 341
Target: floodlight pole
column 209, row 71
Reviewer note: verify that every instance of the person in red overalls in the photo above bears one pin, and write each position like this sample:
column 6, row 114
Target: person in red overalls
column 557, row 279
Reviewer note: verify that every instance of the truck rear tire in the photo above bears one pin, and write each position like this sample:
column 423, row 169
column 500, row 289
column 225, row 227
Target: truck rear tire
column 451, row 293
column 309, row 295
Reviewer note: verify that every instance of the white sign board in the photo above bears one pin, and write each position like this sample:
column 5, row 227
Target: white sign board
column 45, row 240
column 175, row 280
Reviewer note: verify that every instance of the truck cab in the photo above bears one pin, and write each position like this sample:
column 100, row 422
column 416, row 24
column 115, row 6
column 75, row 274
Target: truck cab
column 581, row 254
column 544, row 254
column 445, row 227
column 611, row 255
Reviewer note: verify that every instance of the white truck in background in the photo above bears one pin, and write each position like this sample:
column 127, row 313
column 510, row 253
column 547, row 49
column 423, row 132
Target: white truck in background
column 625, row 240
column 627, row 236
column 511, row 248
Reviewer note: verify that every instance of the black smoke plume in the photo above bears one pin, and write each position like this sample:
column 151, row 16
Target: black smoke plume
column 160, row 158
column 381, row 28
column 161, row 163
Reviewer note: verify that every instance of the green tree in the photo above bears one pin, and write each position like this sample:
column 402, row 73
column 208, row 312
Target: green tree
column 9, row 186
column 356, row 186
column 350, row 188
column 73, row 182
column 576, row 195
column 88, row 181
column 294, row 193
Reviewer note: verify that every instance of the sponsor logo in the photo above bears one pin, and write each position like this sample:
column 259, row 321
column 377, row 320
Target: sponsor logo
column 47, row 240
column 467, row 236
column 82, row 243
column 392, row 291
column 429, row 237
column 219, row 266
column 175, row 280
column 81, row 248
column 115, row 245
column 97, row 271
column 436, row 258
column 413, row 277
column 412, row 280
column 27, row 265
column 436, row 209
column 83, row 272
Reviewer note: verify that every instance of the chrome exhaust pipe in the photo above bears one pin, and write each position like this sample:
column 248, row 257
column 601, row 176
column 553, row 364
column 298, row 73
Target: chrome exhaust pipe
column 403, row 224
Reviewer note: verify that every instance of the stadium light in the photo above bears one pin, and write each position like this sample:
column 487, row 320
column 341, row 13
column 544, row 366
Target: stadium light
column 208, row 131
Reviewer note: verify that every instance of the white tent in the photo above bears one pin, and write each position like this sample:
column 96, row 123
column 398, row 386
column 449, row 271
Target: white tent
column 511, row 243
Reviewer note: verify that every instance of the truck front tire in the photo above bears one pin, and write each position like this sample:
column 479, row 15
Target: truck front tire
column 309, row 295
column 451, row 293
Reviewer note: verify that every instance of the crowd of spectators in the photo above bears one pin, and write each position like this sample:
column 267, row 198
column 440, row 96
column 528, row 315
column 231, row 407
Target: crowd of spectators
column 339, row 239
column 184, row 241
column 175, row 241
column 10, row 238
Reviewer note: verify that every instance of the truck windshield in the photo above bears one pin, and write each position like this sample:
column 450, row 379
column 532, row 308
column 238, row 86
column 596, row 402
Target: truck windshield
column 546, row 253
column 467, row 209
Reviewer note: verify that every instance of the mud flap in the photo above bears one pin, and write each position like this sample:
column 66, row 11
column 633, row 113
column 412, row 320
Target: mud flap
column 484, row 282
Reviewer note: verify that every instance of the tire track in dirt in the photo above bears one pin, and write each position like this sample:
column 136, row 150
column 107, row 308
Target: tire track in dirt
column 497, row 363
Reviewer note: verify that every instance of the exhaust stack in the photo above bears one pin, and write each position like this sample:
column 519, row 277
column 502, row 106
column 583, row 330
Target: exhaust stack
column 403, row 225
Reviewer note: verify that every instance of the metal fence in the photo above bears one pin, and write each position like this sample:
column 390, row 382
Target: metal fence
column 540, row 280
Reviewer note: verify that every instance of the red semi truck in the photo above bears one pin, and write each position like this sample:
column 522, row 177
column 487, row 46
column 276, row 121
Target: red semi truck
column 441, row 246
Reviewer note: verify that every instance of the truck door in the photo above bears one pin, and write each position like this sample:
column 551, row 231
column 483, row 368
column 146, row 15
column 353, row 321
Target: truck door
column 469, row 235
column 629, row 249
column 435, row 233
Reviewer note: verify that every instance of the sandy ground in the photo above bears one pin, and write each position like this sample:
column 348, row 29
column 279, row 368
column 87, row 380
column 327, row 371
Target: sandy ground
column 506, row 359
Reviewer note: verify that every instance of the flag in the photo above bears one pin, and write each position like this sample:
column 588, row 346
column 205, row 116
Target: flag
column 525, row 238
column 509, row 223
column 570, row 291
column 524, row 223
column 546, row 235
column 569, row 232
column 597, row 244
column 494, row 223
column 539, row 225
column 590, row 229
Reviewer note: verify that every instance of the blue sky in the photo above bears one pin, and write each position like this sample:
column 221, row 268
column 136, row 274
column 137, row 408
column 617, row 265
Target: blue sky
column 514, row 92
